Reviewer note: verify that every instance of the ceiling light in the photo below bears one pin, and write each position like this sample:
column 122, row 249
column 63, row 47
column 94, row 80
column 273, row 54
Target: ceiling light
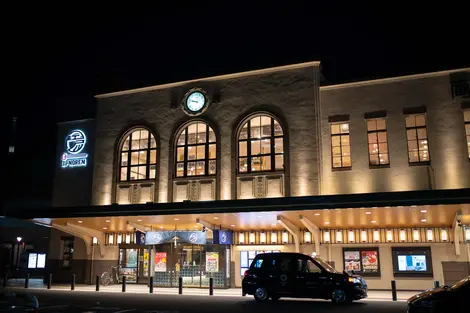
column 195, row 226
column 326, row 223
column 368, row 213
column 105, row 227
column 177, row 219
column 161, row 227
column 273, row 224
column 139, row 220
column 216, row 218
column 233, row 225
column 373, row 222
column 317, row 214
column 423, row 211
column 108, row 221
column 79, row 222
column 423, row 220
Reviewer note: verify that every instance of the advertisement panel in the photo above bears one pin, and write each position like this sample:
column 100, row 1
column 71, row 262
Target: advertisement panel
column 212, row 261
column 160, row 261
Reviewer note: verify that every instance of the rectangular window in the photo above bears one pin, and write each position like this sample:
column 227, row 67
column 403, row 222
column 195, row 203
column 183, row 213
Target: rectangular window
column 340, row 146
column 417, row 135
column 466, row 115
column 378, row 142
column 67, row 251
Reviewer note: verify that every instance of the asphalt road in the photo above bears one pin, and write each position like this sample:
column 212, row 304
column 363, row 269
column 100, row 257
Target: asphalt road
column 88, row 302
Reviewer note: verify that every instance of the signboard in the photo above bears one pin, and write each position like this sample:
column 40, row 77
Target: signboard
column 364, row 261
column 159, row 237
column 41, row 260
column 223, row 237
column 146, row 263
column 212, row 261
column 73, row 156
column 32, row 260
column 140, row 238
column 160, row 261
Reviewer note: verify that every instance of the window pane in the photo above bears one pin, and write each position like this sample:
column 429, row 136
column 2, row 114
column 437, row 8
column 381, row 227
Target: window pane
column 266, row 163
column 374, row 159
column 242, row 148
column 336, row 151
column 144, row 139
column 420, row 120
column 134, row 158
column 211, row 135
column 466, row 115
column 335, row 128
column 372, row 137
column 125, row 145
column 180, row 154
column 335, row 141
column 142, row 157
column 179, row 170
column 266, row 126
column 345, row 140
column 153, row 156
column 135, row 140
column 182, row 138
column 382, row 137
column 381, row 124
column 243, row 165
column 336, row 162
column 142, row 172
column 212, row 151
column 345, row 128
column 201, row 152
column 423, row 145
column 423, row 156
column 256, row 164
column 244, row 132
column 153, row 170
column 201, row 133
column 123, row 173
column 191, row 168
column 192, row 133
column 384, row 158
column 124, row 159
column 255, row 147
column 255, row 124
column 422, row 133
column 200, row 168
column 412, row 145
column 153, row 143
column 277, row 129
column 346, row 151
column 467, row 129
column 410, row 121
column 346, row 161
column 279, row 145
column 413, row 157
column 265, row 146
column 411, row 134
column 212, row 167
column 192, row 153
column 371, row 125
column 279, row 162
column 383, row 148
column 134, row 172
column 373, row 148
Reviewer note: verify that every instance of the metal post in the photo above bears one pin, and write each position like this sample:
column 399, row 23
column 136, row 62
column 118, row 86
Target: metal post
column 180, row 285
column 436, row 284
column 123, row 283
column 394, row 290
column 5, row 279
column 151, row 284
column 72, row 286
column 49, row 282
column 211, row 286
column 26, row 281
column 97, row 282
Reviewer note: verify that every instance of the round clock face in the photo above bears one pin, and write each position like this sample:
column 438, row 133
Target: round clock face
column 195, row 101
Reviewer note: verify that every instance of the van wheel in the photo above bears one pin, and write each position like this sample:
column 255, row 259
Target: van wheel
column 339, row 297
column 261, row 294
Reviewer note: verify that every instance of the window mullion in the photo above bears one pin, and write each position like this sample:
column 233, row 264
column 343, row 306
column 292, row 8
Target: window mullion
column 185, row 152
column 206, row 153
column 129, row 153
column 273, row 152
column 147, row 161
column 248, row 146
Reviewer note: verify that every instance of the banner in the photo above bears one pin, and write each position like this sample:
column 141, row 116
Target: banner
column 160, row 261
column 212, row 261
column 222, row 237
column 146, row 263
column 159, row 237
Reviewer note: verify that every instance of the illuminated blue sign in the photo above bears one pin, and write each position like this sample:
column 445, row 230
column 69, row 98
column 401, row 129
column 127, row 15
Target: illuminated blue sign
column 74, row 144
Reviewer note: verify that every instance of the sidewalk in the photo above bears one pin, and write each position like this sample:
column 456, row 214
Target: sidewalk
column 373, row 295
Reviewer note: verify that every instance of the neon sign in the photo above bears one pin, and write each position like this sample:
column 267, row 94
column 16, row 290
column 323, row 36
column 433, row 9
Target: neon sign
column 74, row 144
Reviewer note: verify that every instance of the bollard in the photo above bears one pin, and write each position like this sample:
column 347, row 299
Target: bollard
column 49, row 282
column 123, row 283
column 72, row 285
column 436, row 284
column 180, row 285
column 97, row 282
column 211, row 286
column 394, row 290
column 26, row 281
column 151, row 284
column 5, row 279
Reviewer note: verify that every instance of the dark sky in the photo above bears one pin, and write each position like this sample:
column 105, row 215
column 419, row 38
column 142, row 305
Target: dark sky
column 57, row 58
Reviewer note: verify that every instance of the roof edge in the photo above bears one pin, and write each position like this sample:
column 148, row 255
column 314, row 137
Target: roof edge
column 211, row 78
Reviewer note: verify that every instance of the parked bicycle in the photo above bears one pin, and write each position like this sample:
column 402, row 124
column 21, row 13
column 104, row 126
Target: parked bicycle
column 110, row 277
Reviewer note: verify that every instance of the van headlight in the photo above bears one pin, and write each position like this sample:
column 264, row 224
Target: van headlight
column 354, row 280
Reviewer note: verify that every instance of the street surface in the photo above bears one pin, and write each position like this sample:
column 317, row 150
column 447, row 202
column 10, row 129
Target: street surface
column 88, row 302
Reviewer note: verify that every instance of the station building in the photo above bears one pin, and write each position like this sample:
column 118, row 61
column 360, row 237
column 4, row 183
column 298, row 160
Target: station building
column 194, row 178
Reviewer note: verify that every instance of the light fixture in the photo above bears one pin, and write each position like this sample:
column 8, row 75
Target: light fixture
column 274, row 237
column 128, row 238
column 252, row 238
column 415, row 234
column 326, row 223
column 196, row 226
column 444, row 236
column 79, row 222
column 339, row 236
column 262, row 237
column 317, row 214
column 423, row 211
column 177, row 219
column 373, row 222
column 241, row 238
column 423, row 220
column 216, row 218
column 326, row 236
column 95, row 240
column 430, row 235
column 389, row 235
column 376, row 235
column 351, row 236
column 108, row 221
column 119, row 239
column 19, row 239
column 402, row 235
column 161, row 227
column 139, row 220
column 307, row 237
column 105, row 228
column 285, row 237
column 368, row 213
column 111, row 239
column 467, row 234
column 364, row 235
column 233, row 225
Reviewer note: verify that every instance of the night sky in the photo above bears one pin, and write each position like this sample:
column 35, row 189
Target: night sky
column 58, row 58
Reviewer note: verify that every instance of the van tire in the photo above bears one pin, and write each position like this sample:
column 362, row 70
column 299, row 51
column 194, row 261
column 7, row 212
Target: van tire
column 339, row 296
column 261, row 294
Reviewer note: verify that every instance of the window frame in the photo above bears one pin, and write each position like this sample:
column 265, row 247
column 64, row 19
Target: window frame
column 416, row 128
column 467, row 135
column 185, row 147
column 272, row 154
column 341, row 168
column 129, row 152
column 377, row 131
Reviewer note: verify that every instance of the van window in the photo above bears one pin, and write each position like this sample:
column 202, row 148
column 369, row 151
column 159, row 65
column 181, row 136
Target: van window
column 307, row 266
column 258, row 263
column 285, row 265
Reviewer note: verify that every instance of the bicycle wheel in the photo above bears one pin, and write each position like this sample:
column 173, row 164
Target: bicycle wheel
column 106, row 279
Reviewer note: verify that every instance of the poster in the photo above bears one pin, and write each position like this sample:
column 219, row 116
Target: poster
column 352, row 261
column 370, row 261
column 32, row 260
column 41, row 260
column 130, row 273
column 212, row 261
column 412, row 263
column 131, row 258
column 146, row 263
column 160, row 261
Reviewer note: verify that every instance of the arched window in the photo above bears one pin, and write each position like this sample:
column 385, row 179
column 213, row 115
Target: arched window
column 196, row 151
column 138, row 156
column 261, row 145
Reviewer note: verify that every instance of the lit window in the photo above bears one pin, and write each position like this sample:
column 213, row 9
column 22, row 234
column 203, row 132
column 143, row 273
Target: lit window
column 138, row 157
column 261, row 145
column 378, row 142
column 340, row 145
column 466, row 115
column 417, row 135
column 196, row 153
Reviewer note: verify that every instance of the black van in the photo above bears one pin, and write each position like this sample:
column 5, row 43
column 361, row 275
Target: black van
column 276, row 275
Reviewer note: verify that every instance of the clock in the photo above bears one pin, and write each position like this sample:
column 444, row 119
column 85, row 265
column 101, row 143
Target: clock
column 195, row 102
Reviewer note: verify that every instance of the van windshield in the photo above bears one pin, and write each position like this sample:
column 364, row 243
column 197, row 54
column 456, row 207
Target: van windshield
column 325, row 265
